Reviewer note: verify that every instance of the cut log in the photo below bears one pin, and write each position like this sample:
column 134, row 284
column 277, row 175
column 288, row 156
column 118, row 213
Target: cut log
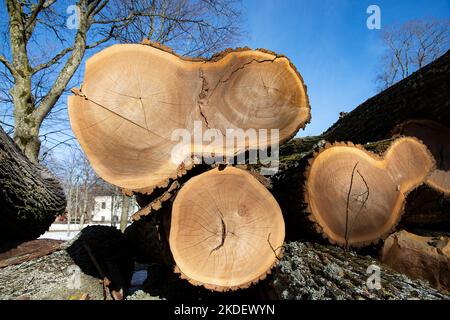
column 437, row 138
column 134, row 98
column 30, row 198
column 425, row 95
column 353, row 197
column 318, row 272
column 426, row 258
column 226, row 230
column 356, row 198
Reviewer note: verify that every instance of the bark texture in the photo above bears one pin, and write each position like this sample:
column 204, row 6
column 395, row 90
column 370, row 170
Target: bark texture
column 30, row 198
column 314, row 271
column 96, row 261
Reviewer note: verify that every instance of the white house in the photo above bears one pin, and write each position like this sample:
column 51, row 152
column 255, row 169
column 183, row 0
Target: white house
column 106, row 207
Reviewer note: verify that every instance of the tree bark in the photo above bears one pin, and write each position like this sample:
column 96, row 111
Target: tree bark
column 314, row 271
column 31, row 196
column 28, row 115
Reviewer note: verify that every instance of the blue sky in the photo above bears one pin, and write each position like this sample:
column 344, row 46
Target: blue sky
column 331, row 46
column 327, row 40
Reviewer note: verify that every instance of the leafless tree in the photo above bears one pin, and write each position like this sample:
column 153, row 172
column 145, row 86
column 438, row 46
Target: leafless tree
column 411, row 46
column 40, row 54
column 81, row 185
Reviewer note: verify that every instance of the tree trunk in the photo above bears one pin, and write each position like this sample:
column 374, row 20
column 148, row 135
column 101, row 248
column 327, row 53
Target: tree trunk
column 423, row 95
column 314, row 271
column 31, row 197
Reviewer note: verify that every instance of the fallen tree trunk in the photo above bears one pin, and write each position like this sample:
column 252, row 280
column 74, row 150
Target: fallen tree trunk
column 423, row 95
column 356, row 198
column 30, row 198
column 314, row 271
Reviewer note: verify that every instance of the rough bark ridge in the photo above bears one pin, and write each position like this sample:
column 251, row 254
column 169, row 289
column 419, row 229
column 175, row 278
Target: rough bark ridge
column 314, row 271
column 31, row 197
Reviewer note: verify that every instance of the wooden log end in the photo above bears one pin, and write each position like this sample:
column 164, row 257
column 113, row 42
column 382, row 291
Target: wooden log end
column 227, row 230
column 355, row 197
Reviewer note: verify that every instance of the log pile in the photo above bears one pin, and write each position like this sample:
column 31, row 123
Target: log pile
column 223, row 226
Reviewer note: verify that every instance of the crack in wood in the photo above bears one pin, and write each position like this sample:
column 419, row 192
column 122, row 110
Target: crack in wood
column 224, row 235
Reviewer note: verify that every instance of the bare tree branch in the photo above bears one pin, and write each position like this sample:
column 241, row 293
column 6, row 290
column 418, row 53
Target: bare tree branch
column 411, row 46
column 7, row 64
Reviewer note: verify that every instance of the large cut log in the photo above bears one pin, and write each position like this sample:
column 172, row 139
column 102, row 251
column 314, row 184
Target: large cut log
column 135, row 98
column 30, row 198
column 351, row 196
column 314, row 271
column 356, row 198
column 423, row 95
column 224, row 231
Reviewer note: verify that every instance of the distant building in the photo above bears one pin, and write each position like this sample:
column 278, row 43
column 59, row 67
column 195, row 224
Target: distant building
column 106, row 207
